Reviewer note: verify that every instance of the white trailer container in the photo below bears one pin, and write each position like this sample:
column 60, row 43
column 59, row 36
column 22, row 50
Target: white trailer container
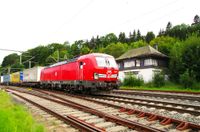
column 32, row 74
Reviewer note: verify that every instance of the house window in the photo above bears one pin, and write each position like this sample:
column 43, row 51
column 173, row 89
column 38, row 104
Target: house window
column 150, row 62
column 130, row 63
column 154, row 62
column 137, row 63
column 147, row 62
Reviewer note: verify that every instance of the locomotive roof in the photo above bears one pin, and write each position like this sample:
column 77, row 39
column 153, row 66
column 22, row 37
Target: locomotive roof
column 63, row 62
column 80, row 57
column 96, row 54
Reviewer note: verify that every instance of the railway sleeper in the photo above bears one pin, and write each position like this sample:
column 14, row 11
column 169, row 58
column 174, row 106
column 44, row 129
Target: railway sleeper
column 164, row 123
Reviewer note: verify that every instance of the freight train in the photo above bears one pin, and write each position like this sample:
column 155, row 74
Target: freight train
column 89, row 72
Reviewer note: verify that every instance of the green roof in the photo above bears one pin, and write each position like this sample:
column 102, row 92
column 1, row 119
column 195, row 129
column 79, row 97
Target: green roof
column 142, row 51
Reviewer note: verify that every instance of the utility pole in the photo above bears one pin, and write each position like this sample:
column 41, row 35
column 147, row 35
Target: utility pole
column 8, row 69
column 20, row 59
column 29, row 64
column 58, row 55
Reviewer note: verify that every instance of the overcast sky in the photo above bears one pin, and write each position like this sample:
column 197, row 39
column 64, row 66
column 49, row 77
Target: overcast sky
column 25, row 24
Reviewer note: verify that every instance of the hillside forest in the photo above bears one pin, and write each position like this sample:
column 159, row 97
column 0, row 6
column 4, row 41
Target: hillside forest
column 181, row 43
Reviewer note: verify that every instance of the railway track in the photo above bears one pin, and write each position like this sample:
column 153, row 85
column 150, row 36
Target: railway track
column 163, row 123
column 51, row 123
column 93, row 120
column 160, row 104
column 166, row 91
column 190, row 98
column 56, row 110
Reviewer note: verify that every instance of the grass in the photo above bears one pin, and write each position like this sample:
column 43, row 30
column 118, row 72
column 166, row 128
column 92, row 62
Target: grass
column 169, row 86
column 15, row 117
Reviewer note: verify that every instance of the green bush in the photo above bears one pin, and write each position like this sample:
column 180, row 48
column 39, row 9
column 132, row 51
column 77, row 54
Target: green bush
column 133, row 81
column 187, row 80
column 158, row 80
column 196, row 86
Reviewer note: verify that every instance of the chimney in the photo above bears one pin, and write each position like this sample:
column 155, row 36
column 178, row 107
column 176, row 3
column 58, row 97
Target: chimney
column 155, row 46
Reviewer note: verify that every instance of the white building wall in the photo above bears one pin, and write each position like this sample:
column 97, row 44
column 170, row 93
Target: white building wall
column 1, row 79
column 146, row 74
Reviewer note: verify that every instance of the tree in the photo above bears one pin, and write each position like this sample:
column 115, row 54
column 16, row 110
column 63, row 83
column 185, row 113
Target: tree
column 92, row 44
column 115, row 49
column 169, row 26
column 161, row 33
column 138, row 35
column 17, row 67
column 178, row 31
column 175, row 65
column 98, row 42
column 57, row 56
column 85, row 50
column 109, row 38
column 132, row 37
column 56, row 46
column 164, row 43
column 185, row 56
column 75, row 50
column 40, row 54
column 191, row 56
column 138, row 44
column 10, row 60
column 196, row 19
column 122, row 37
column 150, row 36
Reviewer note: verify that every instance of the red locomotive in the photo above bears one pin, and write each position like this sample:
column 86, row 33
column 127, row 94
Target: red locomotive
column 89, row 72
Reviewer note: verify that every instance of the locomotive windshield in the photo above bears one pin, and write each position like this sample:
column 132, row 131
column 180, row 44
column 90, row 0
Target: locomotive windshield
column 106, row 62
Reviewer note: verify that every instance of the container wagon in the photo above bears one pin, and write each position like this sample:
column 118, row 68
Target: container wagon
column 31, row 77
column 16, row 78
column 6, row 79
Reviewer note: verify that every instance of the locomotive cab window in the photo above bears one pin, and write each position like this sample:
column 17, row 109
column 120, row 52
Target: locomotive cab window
column 106, row 62
column 81, row 65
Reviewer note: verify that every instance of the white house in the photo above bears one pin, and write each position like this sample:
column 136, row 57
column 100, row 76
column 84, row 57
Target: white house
column 142, row 62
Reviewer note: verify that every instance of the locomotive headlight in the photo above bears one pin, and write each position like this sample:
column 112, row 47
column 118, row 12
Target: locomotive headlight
column 102, row 75
column 96, row 76
column 113, row 76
